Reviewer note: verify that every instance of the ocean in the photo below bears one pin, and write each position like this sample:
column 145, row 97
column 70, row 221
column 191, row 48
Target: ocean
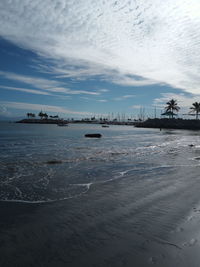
column 126, row 199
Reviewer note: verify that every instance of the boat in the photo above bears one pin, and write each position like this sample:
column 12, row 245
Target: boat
column 105, row 126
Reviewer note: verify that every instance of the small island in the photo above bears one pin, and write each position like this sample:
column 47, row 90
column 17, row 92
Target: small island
column 44, row 119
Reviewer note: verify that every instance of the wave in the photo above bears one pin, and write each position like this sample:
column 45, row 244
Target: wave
column 47, row 200
column 70, row 191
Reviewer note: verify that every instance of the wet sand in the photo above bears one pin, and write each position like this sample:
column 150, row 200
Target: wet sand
column 109, row 226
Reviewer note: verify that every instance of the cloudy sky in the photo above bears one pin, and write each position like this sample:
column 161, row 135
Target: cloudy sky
column 86, row 57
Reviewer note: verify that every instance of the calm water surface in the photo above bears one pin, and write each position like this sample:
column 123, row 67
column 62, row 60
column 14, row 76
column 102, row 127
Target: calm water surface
column 67, row 200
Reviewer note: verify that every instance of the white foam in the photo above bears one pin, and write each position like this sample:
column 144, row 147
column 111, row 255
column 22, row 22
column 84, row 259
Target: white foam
column 84, row 184
column 42, row 201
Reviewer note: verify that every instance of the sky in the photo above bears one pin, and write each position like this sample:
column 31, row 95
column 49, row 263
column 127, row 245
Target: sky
column 98, row 57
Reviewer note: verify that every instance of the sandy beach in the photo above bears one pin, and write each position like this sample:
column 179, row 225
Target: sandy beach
column 107, row 232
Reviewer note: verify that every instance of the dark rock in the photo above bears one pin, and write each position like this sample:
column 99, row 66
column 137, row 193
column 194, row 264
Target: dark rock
column 54, row 161
column 93, row 135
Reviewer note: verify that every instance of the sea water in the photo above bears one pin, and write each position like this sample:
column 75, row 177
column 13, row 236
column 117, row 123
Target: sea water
column 41, row 163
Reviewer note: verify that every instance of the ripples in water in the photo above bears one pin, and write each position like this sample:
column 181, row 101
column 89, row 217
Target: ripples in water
column 52, row 167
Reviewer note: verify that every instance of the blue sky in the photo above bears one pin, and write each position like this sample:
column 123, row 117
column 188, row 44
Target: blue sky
column 85, row 58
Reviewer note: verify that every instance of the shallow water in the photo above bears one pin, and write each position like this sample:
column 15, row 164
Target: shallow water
column 49, row 163
column 114, row 201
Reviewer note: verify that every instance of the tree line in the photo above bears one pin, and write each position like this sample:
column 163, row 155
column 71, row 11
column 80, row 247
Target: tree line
column 172, row 107
column 42, row 115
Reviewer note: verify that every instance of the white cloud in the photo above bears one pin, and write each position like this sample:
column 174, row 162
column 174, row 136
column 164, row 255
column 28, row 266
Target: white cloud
column 123, row 79
column 77, row 92
column 124, row 97
column 104, row 90
column 102, row 100
column 30, row 91
column 155, row 39
column 38, row 107
column 44, row 84
column 136, row 106
column 39, row 83
column 128, row 96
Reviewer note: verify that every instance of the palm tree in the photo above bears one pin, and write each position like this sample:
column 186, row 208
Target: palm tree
column 171, row 107
column 45, row 116
column 196, row 108
column 41, row 114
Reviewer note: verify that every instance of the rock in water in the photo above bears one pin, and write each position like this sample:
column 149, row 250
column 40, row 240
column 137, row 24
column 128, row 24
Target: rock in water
column 95, row 135
column 54, row 161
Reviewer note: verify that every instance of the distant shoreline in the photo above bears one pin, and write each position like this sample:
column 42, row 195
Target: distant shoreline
column 57, row 121
column 149, row 123
column 42, row 121
column 170, row 124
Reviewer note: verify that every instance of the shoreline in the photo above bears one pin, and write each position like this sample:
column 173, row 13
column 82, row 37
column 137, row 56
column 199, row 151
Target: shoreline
column 170, row 124
column 53, row 121
column 42, row 121
column 157, row 123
